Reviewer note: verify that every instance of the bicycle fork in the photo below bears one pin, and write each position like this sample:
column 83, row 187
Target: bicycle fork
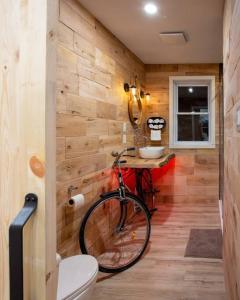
column 123, row 204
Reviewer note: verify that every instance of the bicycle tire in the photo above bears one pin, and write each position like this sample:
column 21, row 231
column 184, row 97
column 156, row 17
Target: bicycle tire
column 82, row 232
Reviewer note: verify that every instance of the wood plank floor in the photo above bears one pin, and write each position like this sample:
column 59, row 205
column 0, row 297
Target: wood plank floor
column 164, row 273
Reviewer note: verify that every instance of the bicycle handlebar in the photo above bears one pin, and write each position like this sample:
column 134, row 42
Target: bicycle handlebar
column 131, row 149
column 119, row 155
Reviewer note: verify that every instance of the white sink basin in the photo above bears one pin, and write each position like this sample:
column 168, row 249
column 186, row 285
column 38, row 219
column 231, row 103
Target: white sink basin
column 151, row 152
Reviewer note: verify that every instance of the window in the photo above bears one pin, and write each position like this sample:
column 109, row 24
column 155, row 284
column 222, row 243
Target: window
column 192, row 112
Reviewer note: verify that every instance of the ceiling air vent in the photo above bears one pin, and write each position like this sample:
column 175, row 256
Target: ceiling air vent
column 173, row 38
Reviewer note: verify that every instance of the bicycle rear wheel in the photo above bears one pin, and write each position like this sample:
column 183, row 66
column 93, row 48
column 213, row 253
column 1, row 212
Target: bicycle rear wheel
column 116, row 232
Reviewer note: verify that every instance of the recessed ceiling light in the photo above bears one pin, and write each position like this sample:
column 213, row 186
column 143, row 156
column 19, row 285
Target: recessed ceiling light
column 150, row 8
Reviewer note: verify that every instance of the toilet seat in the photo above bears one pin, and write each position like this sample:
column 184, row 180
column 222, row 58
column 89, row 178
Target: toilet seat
column 76, row 273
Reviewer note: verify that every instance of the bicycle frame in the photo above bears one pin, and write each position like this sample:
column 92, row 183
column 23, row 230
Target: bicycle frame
column 123, row 201
column 121, row 190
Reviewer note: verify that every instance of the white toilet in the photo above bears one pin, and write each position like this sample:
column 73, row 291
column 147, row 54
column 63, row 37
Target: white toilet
column 77, row 277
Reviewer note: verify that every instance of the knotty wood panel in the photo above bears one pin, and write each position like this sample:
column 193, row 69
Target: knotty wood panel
column 91, row 108
column 232, row 146
column 196, row 171
column 27, row 131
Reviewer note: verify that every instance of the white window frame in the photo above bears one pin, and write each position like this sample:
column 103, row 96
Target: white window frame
column 174, row 82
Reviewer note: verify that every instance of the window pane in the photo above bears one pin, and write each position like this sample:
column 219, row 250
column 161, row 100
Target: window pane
column 193, row 98
column 193, row 128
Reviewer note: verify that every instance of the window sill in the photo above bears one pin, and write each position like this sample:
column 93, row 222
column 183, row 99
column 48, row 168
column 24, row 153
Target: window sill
column 185, row 146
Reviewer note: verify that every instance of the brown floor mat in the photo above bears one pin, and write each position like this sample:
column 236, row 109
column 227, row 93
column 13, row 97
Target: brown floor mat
column 205, row 243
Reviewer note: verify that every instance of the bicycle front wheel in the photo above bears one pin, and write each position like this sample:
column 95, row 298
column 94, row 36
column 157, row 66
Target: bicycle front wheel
column 116, row 232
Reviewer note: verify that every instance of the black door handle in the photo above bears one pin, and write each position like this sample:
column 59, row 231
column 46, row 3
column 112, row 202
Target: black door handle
column 16, row 246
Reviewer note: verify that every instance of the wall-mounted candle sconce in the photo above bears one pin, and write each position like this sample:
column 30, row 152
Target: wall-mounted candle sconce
column 148, row 97
column 126, row 87
column 134, row 89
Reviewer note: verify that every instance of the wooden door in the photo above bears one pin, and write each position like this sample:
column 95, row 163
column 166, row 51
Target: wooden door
column 27, row 139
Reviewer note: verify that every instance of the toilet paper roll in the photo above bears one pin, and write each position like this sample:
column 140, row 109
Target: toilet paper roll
column 77, row 200
column 155, row 135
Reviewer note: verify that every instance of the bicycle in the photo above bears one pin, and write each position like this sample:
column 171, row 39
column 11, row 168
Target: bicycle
column 116, row 228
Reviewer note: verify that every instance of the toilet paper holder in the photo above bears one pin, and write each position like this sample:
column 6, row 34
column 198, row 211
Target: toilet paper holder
column 71, row 188
column 74, row 201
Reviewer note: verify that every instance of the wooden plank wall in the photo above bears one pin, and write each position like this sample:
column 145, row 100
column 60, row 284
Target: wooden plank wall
column 91, row 109
column 232, row 146
column 196, row 173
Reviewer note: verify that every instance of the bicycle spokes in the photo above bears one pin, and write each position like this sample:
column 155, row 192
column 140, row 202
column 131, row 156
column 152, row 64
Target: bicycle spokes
column 116, row 232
